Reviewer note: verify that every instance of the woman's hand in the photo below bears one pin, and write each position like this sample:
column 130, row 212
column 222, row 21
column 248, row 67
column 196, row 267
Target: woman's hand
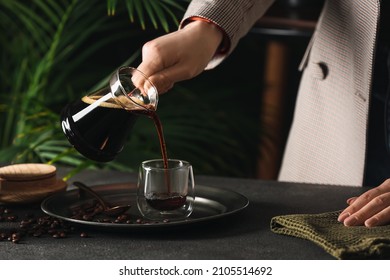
column 371, row 209
column 180, row 55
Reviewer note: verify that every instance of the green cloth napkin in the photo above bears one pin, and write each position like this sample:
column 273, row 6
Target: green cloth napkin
column 342, row 242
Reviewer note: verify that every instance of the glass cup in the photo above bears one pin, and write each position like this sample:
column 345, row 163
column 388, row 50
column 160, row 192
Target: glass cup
column 165, row 193
column 98, row 124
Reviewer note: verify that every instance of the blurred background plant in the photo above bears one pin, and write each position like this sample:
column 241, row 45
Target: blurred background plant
column 53, row 52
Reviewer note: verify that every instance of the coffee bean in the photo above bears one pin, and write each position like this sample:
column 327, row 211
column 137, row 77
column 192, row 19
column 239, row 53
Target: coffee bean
column 123, row 217
column 15, row 237
column 25, row 222
column 3, row 236
column 12, row 218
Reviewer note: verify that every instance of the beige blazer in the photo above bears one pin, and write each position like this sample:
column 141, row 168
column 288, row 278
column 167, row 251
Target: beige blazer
column 327, row 141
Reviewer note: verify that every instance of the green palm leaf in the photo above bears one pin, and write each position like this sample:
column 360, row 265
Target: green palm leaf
column 155, row 10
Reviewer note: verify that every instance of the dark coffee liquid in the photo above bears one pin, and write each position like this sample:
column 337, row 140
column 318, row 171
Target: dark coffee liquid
column 99, row 135
column 166, row 201
column 160, row 133
column 170, row 199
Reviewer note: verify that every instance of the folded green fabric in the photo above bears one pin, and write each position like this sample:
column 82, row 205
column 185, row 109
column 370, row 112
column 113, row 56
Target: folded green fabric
column 358, row 242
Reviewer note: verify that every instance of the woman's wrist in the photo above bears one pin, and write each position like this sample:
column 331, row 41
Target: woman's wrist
column 214, row 34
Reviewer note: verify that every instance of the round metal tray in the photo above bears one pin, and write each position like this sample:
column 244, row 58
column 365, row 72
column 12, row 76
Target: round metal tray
column 210, row 203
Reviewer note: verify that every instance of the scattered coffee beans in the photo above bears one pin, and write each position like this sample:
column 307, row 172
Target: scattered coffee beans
column 19, row 229
column 45, row 225
column 94, row 212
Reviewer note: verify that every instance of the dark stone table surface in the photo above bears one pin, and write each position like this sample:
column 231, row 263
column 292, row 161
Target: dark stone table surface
column 245, row 235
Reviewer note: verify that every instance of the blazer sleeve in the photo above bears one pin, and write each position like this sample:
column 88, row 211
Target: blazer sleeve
column 235, row 18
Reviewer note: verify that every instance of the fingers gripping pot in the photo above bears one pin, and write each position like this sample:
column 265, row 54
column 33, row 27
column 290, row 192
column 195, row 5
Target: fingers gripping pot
column 98, row 124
